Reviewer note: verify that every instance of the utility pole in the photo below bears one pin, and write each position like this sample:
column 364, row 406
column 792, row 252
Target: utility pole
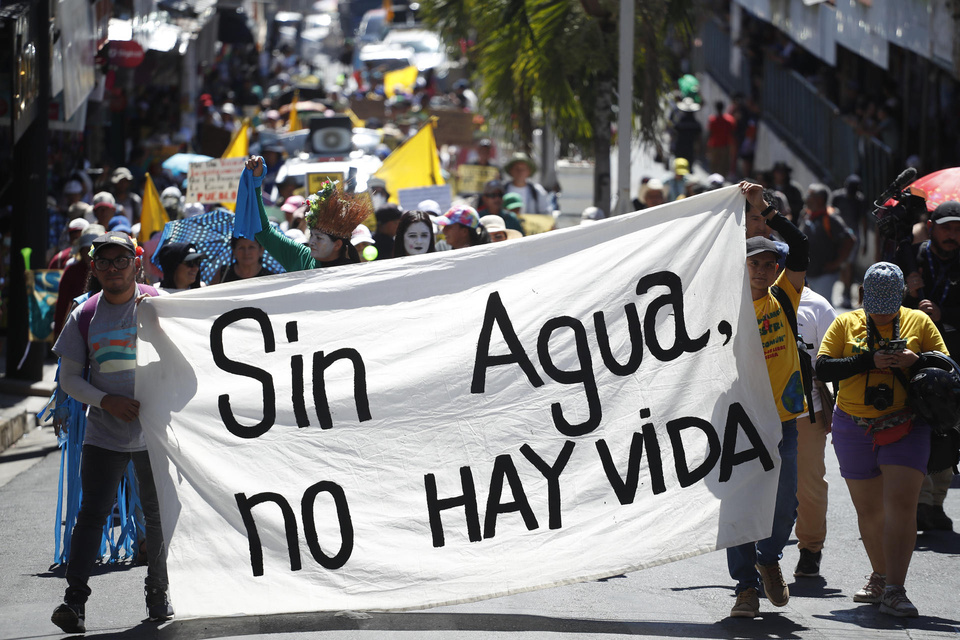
column 625, row 115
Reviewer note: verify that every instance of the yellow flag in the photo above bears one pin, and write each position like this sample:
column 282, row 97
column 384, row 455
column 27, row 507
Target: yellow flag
column 354, row 118
column 415, row 163
column 295, row 124
column 153, row 216
column 405, row 78
column 240, row 143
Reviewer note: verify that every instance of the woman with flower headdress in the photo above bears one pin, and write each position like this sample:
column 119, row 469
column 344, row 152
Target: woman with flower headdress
column 331, row 217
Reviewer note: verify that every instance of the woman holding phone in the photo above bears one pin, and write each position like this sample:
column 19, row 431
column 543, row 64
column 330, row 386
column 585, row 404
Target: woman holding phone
column 881, row 445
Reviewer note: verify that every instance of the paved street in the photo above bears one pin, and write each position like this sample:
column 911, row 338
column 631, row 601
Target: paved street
column 687, row 599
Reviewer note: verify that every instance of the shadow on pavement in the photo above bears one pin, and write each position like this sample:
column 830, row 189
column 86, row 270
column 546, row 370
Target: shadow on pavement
column 869, row 617
column 26, row 455
column 813, row 588
column 939, row 542
column 99, row 569
column 771, row 625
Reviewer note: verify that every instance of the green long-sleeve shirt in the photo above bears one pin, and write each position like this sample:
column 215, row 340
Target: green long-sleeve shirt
column 292, row 255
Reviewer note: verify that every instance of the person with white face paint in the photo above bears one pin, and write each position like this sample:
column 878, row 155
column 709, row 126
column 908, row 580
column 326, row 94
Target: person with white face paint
column 414, row 235
column 332, row 216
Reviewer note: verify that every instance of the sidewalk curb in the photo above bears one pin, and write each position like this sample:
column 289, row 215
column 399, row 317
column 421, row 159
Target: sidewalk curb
column 11, row 429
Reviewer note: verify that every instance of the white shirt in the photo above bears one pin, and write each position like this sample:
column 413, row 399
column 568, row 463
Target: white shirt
column 814, row 317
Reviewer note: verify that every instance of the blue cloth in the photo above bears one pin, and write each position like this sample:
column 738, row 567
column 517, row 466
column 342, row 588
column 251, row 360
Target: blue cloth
column 741, row 560
column 247, row 221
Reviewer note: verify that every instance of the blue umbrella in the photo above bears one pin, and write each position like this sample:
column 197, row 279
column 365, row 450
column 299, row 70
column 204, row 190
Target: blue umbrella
column 211, row 234
column 180, row 162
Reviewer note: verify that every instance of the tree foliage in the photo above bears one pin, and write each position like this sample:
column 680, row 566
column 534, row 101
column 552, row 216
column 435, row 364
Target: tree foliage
column 541, row 59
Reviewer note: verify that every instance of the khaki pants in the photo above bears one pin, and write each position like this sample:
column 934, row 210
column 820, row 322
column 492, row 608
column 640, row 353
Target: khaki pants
column 933, row 491
column 811, row 483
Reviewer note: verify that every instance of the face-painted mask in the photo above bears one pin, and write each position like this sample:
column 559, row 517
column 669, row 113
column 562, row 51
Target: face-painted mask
column 322, row 247
column 416, row 239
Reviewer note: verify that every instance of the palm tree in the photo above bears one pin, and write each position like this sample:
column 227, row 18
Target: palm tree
column 555, row 62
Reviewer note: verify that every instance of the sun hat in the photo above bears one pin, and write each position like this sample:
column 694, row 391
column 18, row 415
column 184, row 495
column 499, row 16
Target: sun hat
column 79, row 210
column 121, row 173
column 460, row 214
column 688, row 105
column 517, row 158
column 493, row 223
column 883, row 288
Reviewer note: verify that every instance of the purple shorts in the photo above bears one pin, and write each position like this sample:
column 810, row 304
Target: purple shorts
column 858, row 458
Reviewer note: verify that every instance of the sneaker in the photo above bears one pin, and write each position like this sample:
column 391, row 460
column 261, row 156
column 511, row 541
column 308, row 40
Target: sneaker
column 895, row 602
column 748, row 604
column 158, row 608
column 774, row 586
column 873, row 590
column 809, row 564
column 69, row 617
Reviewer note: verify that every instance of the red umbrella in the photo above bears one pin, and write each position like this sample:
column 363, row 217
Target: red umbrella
column 940, row 186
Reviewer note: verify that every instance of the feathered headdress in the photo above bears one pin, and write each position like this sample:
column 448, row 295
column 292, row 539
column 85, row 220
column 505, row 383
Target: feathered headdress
column 336, row 213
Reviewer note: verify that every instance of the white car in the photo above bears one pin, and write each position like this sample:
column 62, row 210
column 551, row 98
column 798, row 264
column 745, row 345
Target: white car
column 428, row 50
column 355, row 172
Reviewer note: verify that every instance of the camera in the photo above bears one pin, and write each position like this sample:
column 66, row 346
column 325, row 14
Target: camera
column 880, row 396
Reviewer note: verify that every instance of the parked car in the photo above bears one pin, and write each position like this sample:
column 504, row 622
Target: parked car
column 384, row 57
column 428, row 50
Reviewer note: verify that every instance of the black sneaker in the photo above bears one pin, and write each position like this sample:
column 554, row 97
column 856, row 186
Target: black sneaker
column 809, row 564
column 938, row 519
column 158, row 608
column 69, row 617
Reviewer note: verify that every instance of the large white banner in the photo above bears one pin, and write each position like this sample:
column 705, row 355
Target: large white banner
column 462, row 425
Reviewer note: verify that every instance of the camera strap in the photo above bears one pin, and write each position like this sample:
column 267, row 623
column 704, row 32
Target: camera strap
column 873, row 331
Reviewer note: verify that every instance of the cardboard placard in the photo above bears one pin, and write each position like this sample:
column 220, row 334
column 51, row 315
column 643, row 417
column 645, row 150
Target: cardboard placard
column 214, row 180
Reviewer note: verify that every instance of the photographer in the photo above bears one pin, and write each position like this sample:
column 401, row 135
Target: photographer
column 935, row 290
column 881, row 446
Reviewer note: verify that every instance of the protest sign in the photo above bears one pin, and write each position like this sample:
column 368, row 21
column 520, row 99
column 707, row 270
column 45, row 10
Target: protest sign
column 214, row 180
column 316, row 180
column 472, row 177
column 410, row 199
column 465, row 424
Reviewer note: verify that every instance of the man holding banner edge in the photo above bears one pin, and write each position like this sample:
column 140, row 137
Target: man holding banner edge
column 752, row 562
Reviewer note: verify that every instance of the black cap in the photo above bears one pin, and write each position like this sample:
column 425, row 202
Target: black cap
column 172, row 254
column 948, row 211
column 759, row 244
column 388, row 213
column 113, row 239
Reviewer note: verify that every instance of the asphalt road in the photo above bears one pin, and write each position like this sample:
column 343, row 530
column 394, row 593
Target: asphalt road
column 686, row 599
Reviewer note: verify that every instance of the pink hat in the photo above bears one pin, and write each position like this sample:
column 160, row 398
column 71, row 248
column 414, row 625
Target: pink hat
column 291, row 204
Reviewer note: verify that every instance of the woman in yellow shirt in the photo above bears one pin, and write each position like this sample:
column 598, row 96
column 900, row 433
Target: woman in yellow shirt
column 881, row 446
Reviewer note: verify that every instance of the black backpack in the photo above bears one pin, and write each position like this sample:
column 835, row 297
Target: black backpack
column 806, row 362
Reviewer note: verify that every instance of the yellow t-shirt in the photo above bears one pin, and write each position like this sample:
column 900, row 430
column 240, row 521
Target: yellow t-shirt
column 847, row 336
column 780, row 350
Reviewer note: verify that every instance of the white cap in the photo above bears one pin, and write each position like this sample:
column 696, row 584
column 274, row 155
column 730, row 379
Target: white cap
column 361, row 234
column 192, row 209
column 78, row 224
column 430, row 206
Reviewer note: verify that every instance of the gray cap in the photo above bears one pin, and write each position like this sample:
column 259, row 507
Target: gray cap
column 759, row 244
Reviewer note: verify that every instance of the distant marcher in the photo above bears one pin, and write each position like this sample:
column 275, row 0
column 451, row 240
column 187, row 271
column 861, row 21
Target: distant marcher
column 687, row 130
column 652, row 194
column 721, row 146
column 511, row 212
column 75, row 230
column 591, row 215
column 73, row 282
column 461, row 227
column 520, row 168
column 831, row 241
column 498, row 230
column 180, row 263
column 388, row 217
column 783, row 182
column 853, row 207
column 677, row 185
column 104, row 208
column 129, row 203
column 362, row 239
column 247, row 262
column 172, row 201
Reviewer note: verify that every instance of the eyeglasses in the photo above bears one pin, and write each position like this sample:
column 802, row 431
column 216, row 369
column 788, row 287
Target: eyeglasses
column 495, row 194
column 120, row 263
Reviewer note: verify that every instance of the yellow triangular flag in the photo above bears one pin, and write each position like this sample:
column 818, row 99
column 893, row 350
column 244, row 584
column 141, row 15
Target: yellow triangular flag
column 405, row 78
column 240, row 143
column 415, row 163
column 153, row 216
column 294, row 123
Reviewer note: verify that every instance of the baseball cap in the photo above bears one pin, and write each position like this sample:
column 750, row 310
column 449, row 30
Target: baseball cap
column 513, row 201
column 429, row 206
column 291, row 204
column 460, row 214
column 104, row 199
column 170, row 196
column 121, row 173
column 172, row 254
column 90, row 234
column 78, row 224
column 681, row 166
column 759, row 244
column 79, row 210
column 948, row 211
column 73, row 187
column 113, row 239
column 361, row 234
column 882, row 288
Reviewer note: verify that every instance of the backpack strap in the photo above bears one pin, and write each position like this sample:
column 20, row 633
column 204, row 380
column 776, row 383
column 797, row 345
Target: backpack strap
column 87, row 309
column 806, row 366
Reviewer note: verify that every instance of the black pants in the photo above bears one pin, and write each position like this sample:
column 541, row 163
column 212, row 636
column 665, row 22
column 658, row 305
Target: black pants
column 100, row 474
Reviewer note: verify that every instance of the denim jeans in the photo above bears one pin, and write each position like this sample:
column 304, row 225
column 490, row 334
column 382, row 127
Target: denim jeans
column 741, row 560
column 100, row 474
